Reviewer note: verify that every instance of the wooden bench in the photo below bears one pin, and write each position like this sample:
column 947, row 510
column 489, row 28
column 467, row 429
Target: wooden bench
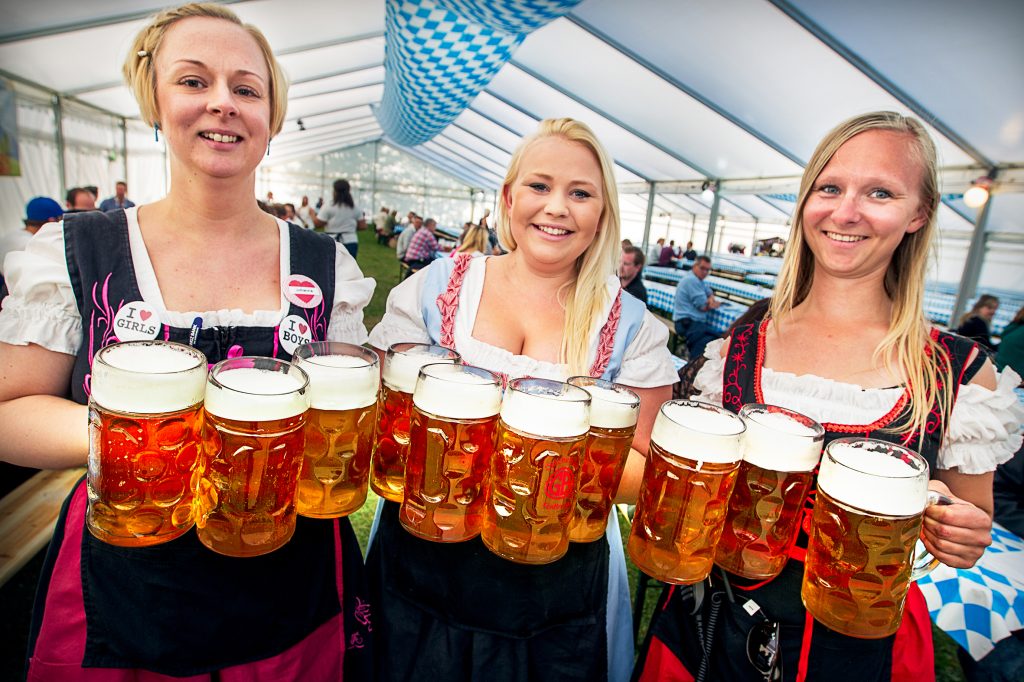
column 28, row 515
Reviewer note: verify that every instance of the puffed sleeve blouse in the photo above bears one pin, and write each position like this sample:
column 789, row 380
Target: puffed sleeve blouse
column 983, row 428
column 41, row 307
column 647, row 362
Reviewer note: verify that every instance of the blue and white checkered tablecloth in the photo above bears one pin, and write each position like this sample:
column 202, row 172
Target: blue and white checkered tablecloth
column 660, row 296
column 764, row 280
column 728, row 286
column 983, row 605
column 661, row 273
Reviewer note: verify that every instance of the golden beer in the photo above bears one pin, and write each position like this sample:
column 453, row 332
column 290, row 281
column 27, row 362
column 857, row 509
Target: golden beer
column 145, row 425
column 394, row 412
column 684, row 495
column 613, row 413
column 454, row 420
column 535, row 470
column 781, row 448
column 867, row 519
column 253, row 440
column 343, row 384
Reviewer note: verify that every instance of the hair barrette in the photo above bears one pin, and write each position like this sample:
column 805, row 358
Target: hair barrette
column 143, row 53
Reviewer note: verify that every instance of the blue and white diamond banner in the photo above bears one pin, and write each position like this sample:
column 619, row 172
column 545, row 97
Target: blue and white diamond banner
column 439, row 54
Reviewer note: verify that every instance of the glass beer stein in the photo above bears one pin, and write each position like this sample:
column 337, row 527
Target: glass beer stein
column 542, row 434
column 867, row 519
column 145, row 422
column 451, row 442
column 613, row 413
column 343, row 384
column 691, row 467
column 781, row 448
column 394, row 412
column 253, row 440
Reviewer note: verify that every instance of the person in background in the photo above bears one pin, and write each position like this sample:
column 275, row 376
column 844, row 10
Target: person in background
column 289, row 214
column 976, row 324
column 342, row 219
column 667, row 257
column 423, row 246
column 654, row 251
column 485, row 219
column 626, row 243
column 847, row 344
column 415, row 223
column 119, row 200
column 631, row 267
column 475, row 241
column 549, row 308
column 305, row 213
column 1011, row 345
column 38, row 212
column 79, row 199
column 178, row 610
column 693, row 302
column 689, row 253
column 380, row 225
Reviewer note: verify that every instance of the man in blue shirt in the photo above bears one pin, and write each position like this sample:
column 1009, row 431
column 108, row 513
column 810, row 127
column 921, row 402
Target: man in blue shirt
column 690, row 307
column 119, row 200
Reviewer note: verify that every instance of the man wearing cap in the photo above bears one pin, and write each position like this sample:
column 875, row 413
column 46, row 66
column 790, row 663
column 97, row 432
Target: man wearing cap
column 119, row 200
column 38, row 212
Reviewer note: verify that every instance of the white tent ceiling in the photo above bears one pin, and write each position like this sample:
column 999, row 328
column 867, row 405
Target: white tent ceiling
column 735, row 90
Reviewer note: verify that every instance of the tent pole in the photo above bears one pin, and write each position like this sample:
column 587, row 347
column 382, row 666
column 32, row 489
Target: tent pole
column 647, row 220
column 58, row 134
column 712, row 220
column 124, row 147
column 972, row 265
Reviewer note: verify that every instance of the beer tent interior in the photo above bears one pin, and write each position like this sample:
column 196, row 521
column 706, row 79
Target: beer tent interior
column 687, row 95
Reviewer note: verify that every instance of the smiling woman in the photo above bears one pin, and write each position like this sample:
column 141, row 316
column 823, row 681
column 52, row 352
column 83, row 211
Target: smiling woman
column 203, row 266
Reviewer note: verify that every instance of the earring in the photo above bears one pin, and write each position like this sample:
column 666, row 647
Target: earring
column 268, row 147
column 156, row 132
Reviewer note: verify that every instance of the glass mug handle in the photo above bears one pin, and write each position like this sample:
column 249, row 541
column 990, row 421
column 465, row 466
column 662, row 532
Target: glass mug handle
column 924, row 562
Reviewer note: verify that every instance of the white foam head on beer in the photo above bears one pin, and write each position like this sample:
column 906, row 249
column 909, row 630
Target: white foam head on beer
column 251, row 394
column 340, row 382
column 148, row 377
column 455, row 392
column 401, row 369
column 868, row 476
column 778, row 442
column 611, row 409
column 698, row 431
column 562, row 414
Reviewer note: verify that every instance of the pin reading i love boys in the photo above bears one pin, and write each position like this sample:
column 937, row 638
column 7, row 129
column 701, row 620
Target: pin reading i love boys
column 293, row 332
column 302, row 291
column 136, row 321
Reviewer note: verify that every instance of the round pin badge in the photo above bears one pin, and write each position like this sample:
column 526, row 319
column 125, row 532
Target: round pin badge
column 293, row 332
column 136, row 321
column 302, row 291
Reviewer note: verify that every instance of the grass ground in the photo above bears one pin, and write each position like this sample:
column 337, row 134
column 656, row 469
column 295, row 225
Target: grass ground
column 379, row 262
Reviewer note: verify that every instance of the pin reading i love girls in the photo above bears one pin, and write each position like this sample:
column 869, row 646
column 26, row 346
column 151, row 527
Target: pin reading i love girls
column 136, row 321
column 302, row 291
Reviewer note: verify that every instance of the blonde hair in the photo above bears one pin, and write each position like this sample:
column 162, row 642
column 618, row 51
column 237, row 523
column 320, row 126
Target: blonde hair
column 586, row 297
column 475, row 241
column 984, row 301
column 908, row 349
column 140, row 67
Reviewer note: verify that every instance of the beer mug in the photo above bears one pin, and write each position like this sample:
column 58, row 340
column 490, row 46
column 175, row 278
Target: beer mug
column 253, row 440
column 343, row 384
column 145, row 423
column 542, row 433
column 694, row 456
column 867, row 520
column 613, row 413
column 394, row 412
column 451, row 442
column 781, row 448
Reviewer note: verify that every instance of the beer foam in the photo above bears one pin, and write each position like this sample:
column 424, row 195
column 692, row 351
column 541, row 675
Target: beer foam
column 611, row 409
column 866, row 476
column 777, row 441
column 454, row 392
column 402, row 368
column 340, row 382
column 251, row 394
column 148, row 377
column 556, row 414
column 698, row 431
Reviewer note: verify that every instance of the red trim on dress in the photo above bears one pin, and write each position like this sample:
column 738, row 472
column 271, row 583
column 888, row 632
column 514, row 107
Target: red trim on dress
column 606, row 340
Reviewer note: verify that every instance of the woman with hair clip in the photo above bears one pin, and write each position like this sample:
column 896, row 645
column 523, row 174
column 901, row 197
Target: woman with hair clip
column 213, row 270
column 847, row 344
column 341, row 220
column 551, row 308
column 976, row 324
column 474, row 242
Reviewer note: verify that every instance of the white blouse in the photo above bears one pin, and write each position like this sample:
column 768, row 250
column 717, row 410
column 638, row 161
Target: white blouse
column 646, row 363
column 983, row 428
column 41, row 307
